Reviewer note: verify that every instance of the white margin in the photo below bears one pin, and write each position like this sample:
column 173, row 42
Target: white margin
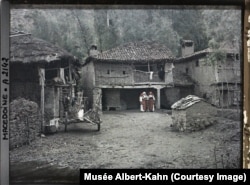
column 4, row 93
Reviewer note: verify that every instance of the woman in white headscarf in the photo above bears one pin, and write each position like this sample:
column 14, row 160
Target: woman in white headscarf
column 143, row 98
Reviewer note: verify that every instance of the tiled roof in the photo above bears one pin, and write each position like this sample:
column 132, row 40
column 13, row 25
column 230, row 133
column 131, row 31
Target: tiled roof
column 136, row 51
column 193, row 55
column 226, row 47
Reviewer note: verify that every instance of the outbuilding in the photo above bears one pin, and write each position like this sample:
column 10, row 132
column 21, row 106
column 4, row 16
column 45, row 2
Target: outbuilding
column 192, row 113
column 41, row 72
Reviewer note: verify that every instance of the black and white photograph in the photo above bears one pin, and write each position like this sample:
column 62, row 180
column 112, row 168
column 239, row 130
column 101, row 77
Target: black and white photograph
column 124, row 87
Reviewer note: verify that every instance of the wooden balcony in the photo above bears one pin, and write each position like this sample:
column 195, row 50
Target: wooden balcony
column 142, row 77
column 136, row 78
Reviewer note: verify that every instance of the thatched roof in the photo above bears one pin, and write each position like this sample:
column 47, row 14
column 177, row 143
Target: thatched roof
column 25, row 48
column 143, row 51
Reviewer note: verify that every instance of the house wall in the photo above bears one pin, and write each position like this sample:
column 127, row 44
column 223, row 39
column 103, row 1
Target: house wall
column 228, row 71
column 117, row 74
column 125, row 74
column 207, row 75
column 172, row 95
column 113, row 74
column 204, row 75
column 229, row 97
column 169, row 73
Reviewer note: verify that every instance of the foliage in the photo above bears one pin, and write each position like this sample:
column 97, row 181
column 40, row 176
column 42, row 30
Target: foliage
column 77, row 29
column 189, row 24
column 217, row 55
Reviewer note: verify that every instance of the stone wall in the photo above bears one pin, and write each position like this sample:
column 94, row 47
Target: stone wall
column 179, row 120
column 25, row 122
column 196, row 117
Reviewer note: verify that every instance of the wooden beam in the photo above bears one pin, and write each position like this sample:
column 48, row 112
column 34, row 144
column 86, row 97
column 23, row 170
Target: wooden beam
column 158, row 98
column 42, row 84
column 61, row 74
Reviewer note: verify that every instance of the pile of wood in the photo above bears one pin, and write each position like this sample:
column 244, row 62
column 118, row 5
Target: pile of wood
column 25, row 122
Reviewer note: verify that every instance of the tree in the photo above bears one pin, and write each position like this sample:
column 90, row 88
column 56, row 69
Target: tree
column 189, row 24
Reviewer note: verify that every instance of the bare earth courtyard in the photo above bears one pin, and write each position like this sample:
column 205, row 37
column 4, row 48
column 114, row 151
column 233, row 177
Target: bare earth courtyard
column 127, row 139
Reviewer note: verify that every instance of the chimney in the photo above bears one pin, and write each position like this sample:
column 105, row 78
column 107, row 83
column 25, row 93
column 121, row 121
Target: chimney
column 187, row 47
column 93, row 50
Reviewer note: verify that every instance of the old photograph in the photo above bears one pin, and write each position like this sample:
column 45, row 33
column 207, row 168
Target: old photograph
column 124, row 87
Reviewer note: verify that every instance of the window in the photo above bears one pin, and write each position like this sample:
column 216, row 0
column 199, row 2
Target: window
column 237, row 57
column 186, row 70
column 108, row 72
column 197, row 63
column 124, row 72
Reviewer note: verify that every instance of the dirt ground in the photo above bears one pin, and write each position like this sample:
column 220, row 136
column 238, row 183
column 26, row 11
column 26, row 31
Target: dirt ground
column 127, row 139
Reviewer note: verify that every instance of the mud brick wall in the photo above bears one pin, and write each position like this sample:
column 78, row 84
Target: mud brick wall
column 25, row 122
column 197, row 117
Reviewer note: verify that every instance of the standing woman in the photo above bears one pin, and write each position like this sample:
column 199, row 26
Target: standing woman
column 151, row 102
column 143, row 101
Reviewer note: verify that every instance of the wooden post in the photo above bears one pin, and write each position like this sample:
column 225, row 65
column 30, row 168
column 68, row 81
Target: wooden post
column 70, row 72
column 61, row 73
column 158, row 104
column 71, row 80
column 42, row 83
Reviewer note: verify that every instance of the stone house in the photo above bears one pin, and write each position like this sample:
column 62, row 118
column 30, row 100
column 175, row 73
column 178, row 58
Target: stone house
column 183, row 85
column 41, row 72
column 219, row 80
column 192, row 113
column 115, row 78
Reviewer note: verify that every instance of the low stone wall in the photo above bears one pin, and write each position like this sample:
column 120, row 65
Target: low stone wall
column 194, row 123
column 25, row 122
column 196, row 117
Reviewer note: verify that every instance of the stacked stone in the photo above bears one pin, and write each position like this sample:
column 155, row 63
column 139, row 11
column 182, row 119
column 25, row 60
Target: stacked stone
column 200, row 122
column 184, row 122
column 25, row 122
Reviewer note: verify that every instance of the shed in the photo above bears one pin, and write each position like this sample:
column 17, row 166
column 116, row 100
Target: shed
column 41, row 72
column 192, row 113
